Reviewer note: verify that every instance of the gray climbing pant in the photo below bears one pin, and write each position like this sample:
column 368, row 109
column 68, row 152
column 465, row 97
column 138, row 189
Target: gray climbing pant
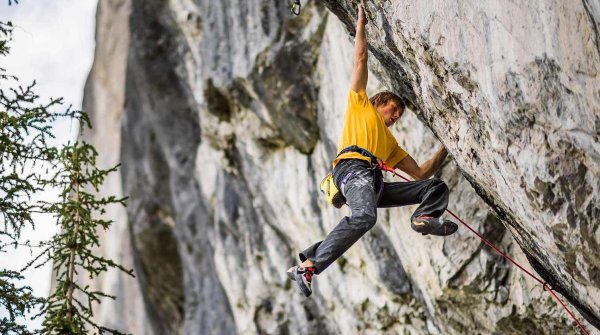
column 365, row 191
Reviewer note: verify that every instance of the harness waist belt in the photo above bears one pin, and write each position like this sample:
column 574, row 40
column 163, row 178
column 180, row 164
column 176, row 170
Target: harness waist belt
column 357, row 149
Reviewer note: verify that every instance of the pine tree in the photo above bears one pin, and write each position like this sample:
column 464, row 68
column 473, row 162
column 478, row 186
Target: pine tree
column 25, row 128
column 24, row 131
column 69, row 309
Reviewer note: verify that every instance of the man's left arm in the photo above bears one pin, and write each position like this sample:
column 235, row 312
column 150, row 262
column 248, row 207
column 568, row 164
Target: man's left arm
column 360, row 74
column 427, row 169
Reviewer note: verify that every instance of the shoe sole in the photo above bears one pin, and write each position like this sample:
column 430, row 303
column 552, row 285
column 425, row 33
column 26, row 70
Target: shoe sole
column 429, row 229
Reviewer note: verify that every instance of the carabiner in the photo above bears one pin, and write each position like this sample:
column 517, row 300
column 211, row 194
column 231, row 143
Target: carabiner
column 296, row 6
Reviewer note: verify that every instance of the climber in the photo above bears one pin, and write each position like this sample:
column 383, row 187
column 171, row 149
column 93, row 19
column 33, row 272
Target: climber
column 366, row 142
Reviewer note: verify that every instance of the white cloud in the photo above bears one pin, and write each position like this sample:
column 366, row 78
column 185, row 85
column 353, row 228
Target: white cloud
column 53, row 43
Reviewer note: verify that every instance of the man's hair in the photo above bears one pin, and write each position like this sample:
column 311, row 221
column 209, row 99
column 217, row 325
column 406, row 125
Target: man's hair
column 383, row 97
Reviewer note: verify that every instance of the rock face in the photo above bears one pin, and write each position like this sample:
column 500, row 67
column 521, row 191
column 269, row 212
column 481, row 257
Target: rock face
column 225, row 116
column 512, row 91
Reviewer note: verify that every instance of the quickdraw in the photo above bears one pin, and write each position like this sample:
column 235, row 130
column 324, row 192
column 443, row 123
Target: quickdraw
column 296, row 7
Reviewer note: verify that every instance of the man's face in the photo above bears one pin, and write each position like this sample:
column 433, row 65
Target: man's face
column 390, row 111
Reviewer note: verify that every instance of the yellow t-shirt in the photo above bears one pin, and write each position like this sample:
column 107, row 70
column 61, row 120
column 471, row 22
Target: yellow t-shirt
column 365, row 127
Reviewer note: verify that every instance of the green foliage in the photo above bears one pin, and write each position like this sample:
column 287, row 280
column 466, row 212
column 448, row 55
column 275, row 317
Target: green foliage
column 25, row 130
column 5, row 34
column 69, row 308
column 17, row 300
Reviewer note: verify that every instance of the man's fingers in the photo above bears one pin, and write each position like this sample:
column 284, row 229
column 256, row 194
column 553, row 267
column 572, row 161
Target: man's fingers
column 361, row 12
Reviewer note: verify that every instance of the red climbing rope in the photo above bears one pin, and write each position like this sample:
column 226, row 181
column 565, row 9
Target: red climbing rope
column 495, row 248
column 544, row 284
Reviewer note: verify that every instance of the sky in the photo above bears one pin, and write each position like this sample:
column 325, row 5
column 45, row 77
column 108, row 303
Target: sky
column 53, row 43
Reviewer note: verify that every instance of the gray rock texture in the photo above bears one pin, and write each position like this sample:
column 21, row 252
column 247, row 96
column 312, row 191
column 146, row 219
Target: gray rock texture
column 512, row 91
column 104, row 98
column 225, row 116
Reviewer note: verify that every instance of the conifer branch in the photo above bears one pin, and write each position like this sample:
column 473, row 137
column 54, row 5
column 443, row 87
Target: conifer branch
column 25, row 131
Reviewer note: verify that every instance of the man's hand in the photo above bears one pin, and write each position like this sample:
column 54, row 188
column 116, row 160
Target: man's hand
column 442, row 151
column 360, row 75
column 427, row 169
column 362, row 18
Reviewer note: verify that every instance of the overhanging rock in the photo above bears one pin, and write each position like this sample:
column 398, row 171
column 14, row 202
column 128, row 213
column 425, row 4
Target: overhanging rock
column 512, row 91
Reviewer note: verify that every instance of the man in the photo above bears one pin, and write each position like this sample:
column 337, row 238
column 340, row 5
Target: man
column 365, row 142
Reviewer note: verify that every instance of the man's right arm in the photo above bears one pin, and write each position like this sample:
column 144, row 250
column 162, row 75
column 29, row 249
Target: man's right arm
column 360, row 74
column 427, row 169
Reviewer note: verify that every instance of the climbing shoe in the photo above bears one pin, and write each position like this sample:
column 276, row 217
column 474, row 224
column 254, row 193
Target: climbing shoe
column 429, row 225
column 303, row 278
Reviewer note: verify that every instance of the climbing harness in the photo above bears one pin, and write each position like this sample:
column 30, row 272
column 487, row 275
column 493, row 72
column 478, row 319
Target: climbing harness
column 545, row 285
column 364, row 152
column 380, row 165
column 296, row 7
column 329, row 189
column 376, row 163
